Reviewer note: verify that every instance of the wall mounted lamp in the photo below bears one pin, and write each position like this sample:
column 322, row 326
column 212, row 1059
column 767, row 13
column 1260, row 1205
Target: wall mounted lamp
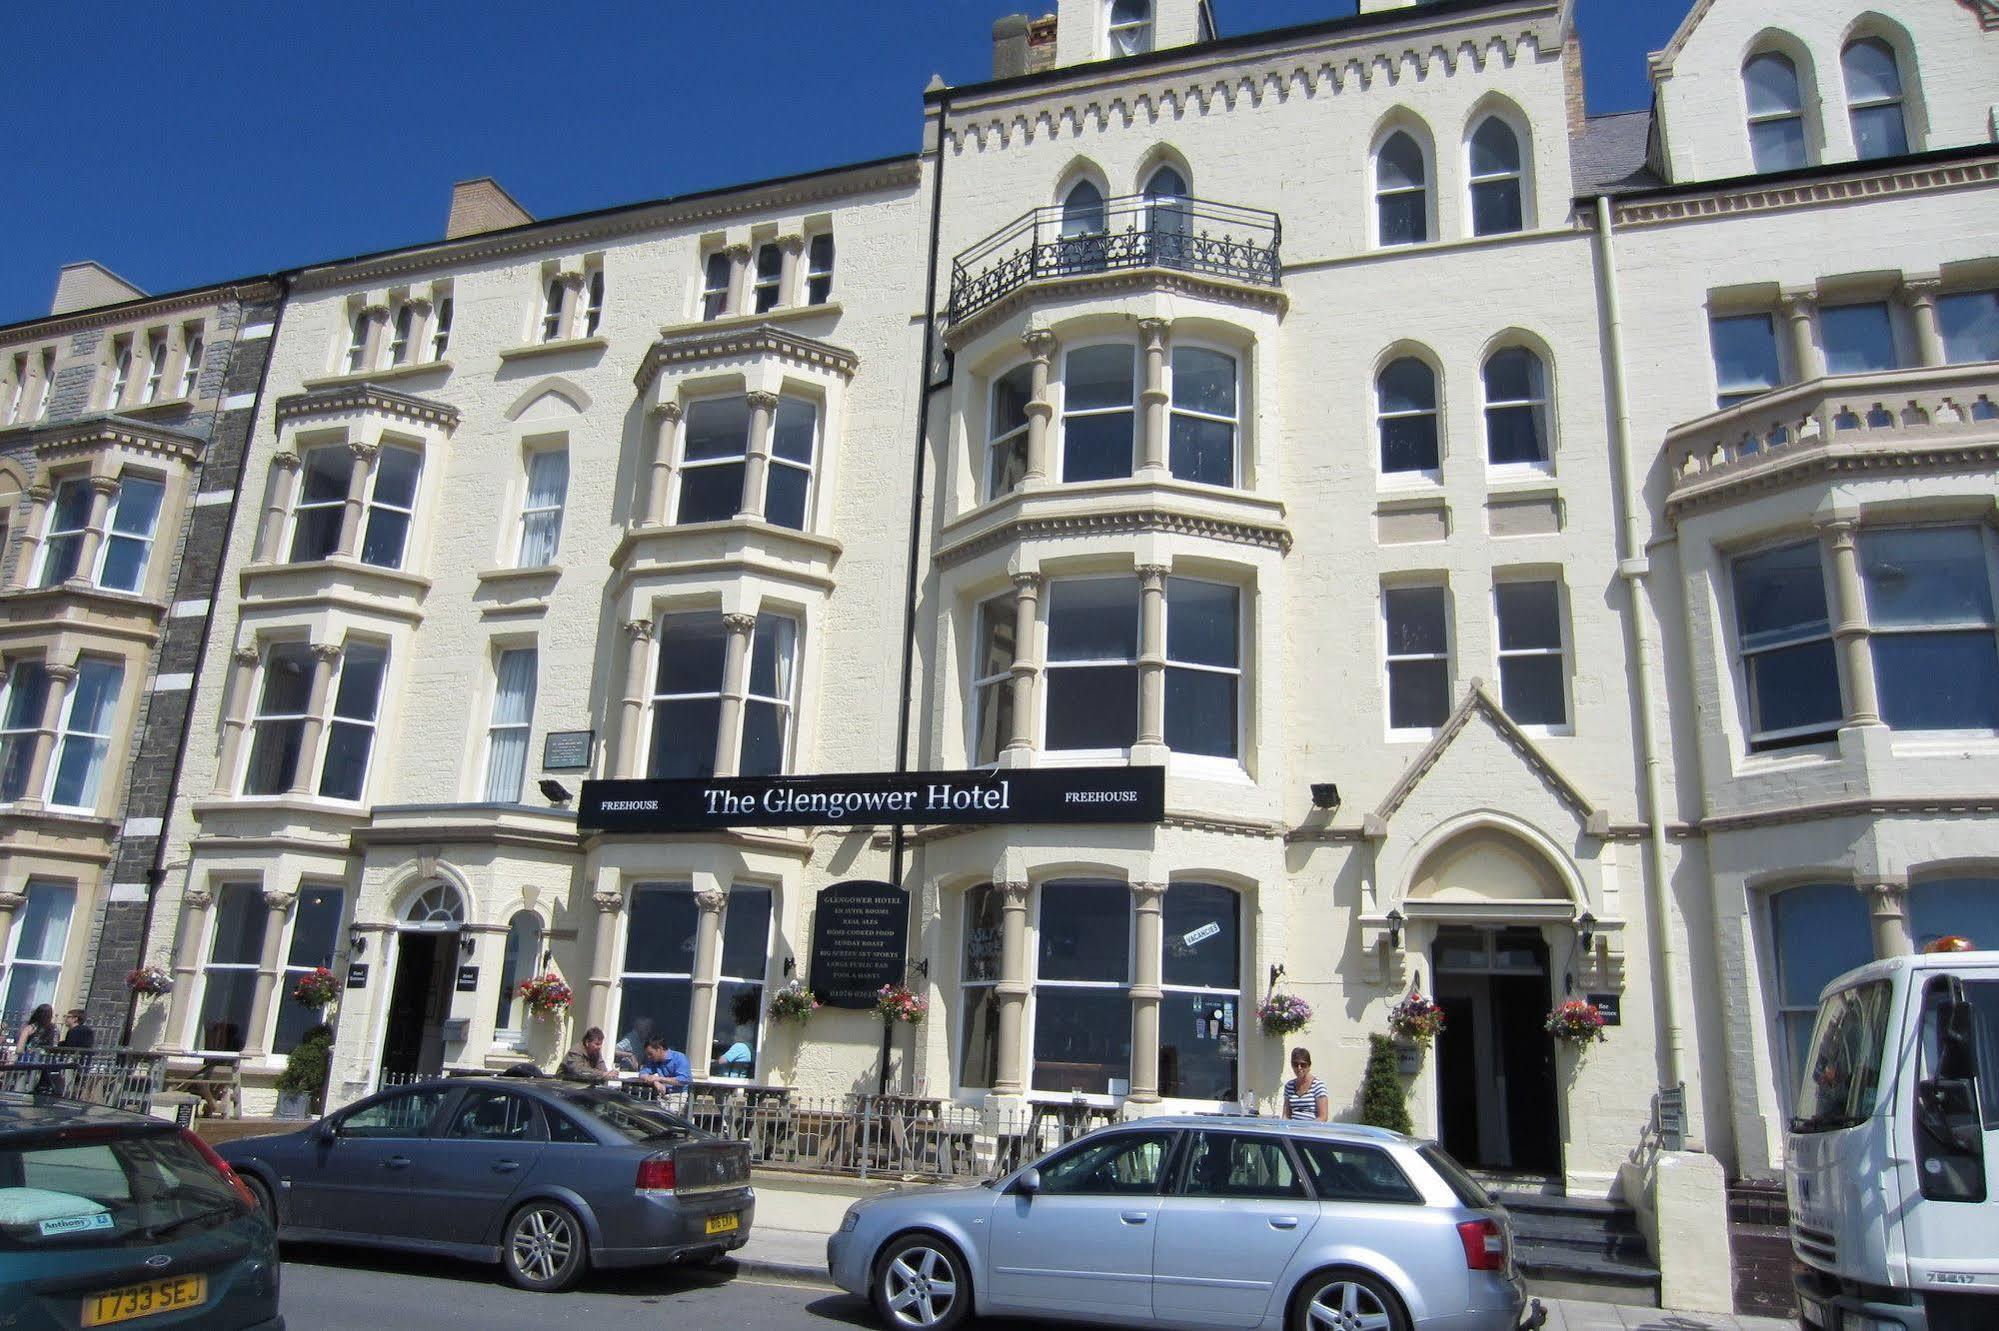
column 466, row 944
column 357, row 943
column 1395, row 922
column 1326, row 795
column 791, row 965
column 1585, row 930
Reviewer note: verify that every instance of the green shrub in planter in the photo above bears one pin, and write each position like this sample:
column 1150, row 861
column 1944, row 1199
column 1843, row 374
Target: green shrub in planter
column 306, row 1067
column 1382, row 1100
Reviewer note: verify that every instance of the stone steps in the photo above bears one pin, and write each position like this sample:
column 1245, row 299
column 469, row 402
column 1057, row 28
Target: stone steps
column 1581, row 1248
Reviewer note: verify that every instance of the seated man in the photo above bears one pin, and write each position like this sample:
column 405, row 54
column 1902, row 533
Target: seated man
column 664, row 1069
column 585, row 1063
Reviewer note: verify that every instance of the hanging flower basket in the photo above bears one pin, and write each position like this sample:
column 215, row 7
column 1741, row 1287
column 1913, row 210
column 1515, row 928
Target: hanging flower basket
column 1281, row 1014
column 545, row 995
column 1416, row 1020
column 315, row 989
column 150, row 981
column 794, row 1002
column 1577, row 1023
column 893, row 1002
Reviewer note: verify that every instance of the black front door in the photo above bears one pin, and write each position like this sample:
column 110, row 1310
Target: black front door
column 1496, row 1101
column 412, row 1003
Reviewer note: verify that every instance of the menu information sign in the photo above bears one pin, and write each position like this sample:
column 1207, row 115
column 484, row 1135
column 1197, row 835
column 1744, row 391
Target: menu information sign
column 860, row 942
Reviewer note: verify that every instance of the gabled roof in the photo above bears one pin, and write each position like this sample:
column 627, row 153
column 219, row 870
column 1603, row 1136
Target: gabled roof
column 1661, row 62
column 1479, row 705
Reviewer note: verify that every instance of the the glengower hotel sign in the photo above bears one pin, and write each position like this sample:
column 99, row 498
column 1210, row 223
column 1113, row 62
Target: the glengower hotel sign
column 1029, row 795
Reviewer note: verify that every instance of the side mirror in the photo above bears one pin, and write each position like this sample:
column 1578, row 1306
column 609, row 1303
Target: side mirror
column 325, row 1131
column 1028, row 1183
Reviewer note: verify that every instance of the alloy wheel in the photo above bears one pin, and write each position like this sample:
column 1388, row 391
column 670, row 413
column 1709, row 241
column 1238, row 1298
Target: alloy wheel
column 543, row 1241
column 920, row 1286
column 1344, row 1305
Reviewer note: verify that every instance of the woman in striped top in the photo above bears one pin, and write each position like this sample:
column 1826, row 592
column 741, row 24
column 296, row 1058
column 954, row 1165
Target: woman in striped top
column 1304, row 1094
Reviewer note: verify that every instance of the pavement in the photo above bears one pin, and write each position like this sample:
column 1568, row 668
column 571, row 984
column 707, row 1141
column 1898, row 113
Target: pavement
column 798, row 1257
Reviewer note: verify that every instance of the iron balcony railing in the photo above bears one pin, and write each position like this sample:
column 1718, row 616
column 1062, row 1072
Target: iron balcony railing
column 1135, row 231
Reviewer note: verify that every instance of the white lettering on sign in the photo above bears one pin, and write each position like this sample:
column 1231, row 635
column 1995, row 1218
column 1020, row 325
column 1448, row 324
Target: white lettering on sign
column 1202, row 934
column 630, row 806
column 1100, row 797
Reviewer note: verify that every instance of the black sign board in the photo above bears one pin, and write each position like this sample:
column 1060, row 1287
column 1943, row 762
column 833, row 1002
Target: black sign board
column 1018, row 795
column 357, row 975
column 468, row 979
column 566, row 750
column 860, row 933
column 1607, row 1006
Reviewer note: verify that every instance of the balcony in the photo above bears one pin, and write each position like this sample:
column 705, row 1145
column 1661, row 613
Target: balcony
column 1938, row 417
column 1213, row 240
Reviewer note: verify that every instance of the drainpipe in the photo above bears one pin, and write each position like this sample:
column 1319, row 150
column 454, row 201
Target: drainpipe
column 1633, row 567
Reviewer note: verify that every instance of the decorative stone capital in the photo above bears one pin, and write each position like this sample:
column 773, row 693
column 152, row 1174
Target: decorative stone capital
column 375, row 311
column 284, row 461
column 1154, row 333
column 247, row 657
column 739, row 252
column 1148, row 896
column 1886, row 897
column 1013, row 896
column 1029, row 584
column 608, row 903
column 279, row 900
column 737, row 622
column 104, row 485
column 1800, row 305
column 793, row 244
column 419, row 305
column 1153, row 575
column 1840, row 531
column 570, row 278
column 640, row 629
column 1040, row 344
column 65, row 673
column 12, row 901
column 364, row 452
column 41, row 493
column 197, row 898
column 1921, row 291
column 328, row 652
column 670, row 412
column 759, row 400
column 711, row 900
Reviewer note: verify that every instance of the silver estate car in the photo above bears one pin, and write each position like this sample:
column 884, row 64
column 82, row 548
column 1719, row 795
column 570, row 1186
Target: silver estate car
column 1199, row 1222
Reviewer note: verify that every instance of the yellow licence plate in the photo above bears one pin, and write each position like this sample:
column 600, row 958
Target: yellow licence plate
column 723, row 1224
column 136, row 1301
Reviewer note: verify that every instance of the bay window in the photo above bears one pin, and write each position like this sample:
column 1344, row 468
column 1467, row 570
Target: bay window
column 1817, row 933
column 35, row 948
column 1931, row 628
column 768, row 700
column 541, row 507
column 1006, row 434
column 687, row 694
column 714, row 442
column 229, row 980
column 788, row 477
column 325, row 474
column 1406, row 417
column 1745, row 357
column 391, row 504
column 1203, row 668
column 739, row 989
column 992, row 678
column 315, row 937
column 20, row 723
column 85, row 738
column 656, row 983
column 350, row 737
column 1790, row 673
column 1418, row 656
column 135, row 515
column 1092, row 671
column 513, row 720
column 1201, row 974
column 1098, row 420
column 62, row 543
column 1859, row 339
column 1203, row 430
column 1082, row 988
column 978, row 979
column 277, row 731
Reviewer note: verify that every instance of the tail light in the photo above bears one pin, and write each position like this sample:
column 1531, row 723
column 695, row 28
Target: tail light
column 655, row 1174
column 1485, row 1245
column 222, row 1167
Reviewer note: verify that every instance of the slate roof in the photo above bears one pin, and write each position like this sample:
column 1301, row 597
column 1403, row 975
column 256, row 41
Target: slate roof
column 1608, row 157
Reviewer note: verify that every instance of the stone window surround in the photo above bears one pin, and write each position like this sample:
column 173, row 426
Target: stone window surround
column 1564, row 652
column 574, row 277
column 740, row 605
column 1912, row 301
column 62, row 660
column 179, row 337
column 27, row 381
column 194, row 938
column 105, row 452
column 669, row 463
column 243, row 692
column 742, row 248
column 1152, row 404
column 1027, row 744
column 1406, row 122
column 378, row 311
column 82, row 910
column 365, row 432
column 1502, row 109
column 1020, row 902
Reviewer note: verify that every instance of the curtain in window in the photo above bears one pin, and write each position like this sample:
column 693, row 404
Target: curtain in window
column 87, row 736
column 41, row 932
column 513, row 714
column 541, row 512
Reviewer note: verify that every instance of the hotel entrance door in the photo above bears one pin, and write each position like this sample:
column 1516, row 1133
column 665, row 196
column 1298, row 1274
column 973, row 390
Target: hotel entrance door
column 1495, row 1062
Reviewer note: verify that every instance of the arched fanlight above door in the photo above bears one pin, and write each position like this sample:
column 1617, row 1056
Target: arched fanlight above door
column 438, row 907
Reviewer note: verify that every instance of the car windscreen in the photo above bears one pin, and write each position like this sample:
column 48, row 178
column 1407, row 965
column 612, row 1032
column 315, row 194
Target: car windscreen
column 633, row 1121
column 111, row 1188
column 1464, row 1185
column 1843, row 1069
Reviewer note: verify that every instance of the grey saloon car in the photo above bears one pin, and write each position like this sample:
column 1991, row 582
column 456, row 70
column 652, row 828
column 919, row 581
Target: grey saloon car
column 1199, row 1222
column 546, row 1178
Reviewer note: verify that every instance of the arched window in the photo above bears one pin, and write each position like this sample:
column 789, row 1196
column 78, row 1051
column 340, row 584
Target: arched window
column 1201, row 974
column 1082, row 988
column 399, row 345
column 517, row 963
column 1406, row 415
column 1401, row 191
column 357, row 343
column 1130, row 27
column 1874, row 99
column 439, row 907
column 551, row 311
column 1776, row 112
column 1169, row 220
column 1083, row 227
column 1516, row 407
column 1496, row 194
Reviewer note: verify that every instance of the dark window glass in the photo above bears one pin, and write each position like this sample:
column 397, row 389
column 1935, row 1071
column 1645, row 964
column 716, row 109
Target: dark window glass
column 1203, row 676
column 1859, row 339
column 315, row 936
column 493, row 1116
column 1516, row 405
column 1092, row 676
column 1082, row 1024
column 1406, row 397
column 1929, row 604
column 1224, row 1164
column 1122, row 1164
column 1402, row 196
column 1097, row 419
column 1496, row 173
column 322, row 497
column 1821, row 932
column 716, row 437
column 395, row 1116
column 1418, row 657
column 1745, row 357
column 1343, row 1173
column 1970, row 325
column 1791, row 674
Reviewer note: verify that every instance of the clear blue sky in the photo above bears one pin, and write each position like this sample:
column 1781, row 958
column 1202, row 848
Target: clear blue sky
column 196, row 141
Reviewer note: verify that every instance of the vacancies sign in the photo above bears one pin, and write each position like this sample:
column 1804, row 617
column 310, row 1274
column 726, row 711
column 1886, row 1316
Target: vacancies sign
column 1036, row 795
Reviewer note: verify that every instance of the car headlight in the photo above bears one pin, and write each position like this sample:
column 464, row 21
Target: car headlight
column 849, row 1220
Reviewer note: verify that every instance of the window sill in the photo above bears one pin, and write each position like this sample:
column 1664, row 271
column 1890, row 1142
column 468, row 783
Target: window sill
column 731, row 322
column 159, row 406
column 72, row 821
column 78, row 590
column 386, row 372
column 694, row 542
column 347, row 571
column 1514, row 477
column 350, row 810
column 512, row 575
column 1125, row 503
column 1425, row 481
column 559, row 347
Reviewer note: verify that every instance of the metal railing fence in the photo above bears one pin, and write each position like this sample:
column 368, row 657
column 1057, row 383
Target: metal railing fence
column 121, row 1078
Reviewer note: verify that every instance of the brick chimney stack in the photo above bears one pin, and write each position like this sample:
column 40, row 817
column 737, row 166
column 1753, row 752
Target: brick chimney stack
column 479, row 206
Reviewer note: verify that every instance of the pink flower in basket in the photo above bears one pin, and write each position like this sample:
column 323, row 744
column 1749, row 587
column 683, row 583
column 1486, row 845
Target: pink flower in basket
column 1577, row 1023
column 893, row 1002
column 316, row 988
column 1416, row 1019
column 546, row 995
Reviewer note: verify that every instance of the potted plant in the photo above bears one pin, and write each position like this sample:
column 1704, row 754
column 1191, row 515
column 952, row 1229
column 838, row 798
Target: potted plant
column 150, row 981
column 793, row 1003
column 1414, row 1022
column 1577, row 1023
column 1382, row 1100
column 316, row 988
column 303, row 1081
column 545, row 995
column 1282, row 1014
column 894, row 1002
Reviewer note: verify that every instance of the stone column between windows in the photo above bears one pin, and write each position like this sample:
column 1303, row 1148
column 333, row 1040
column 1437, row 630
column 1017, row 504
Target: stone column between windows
column 10, row 902
column 603, row 957
column 60, row 679
column 1152, row 400
column 665, row 445
column 707, row 965
column 1151, row 662
column 420, row 310
column 34, row 530
column 235, row 721
column 324, row 655
column 1849, row 623
column 1888, row 905
column 1921, row 297
column 357, row 495
column 102, row 488
column 191, row 928
column 1146, row 993
column 791, row 273
column 756, row 461
column 280, row 490
column 567, row 324
column 1801, row 308
column 1040, row 344
column 735, row 687
column 632, row 709
column 1009, row 1077
column 1026, row 666
column 739, row 279
column 371, row 345
column 270, row 964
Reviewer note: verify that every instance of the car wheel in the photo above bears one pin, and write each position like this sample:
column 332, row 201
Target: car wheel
column 266, row 1207
column 1347, row 1300
column 544, row 1249
column 920, row 1284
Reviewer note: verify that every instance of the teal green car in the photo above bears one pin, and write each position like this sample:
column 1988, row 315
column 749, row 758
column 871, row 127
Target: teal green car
column 115, row 1219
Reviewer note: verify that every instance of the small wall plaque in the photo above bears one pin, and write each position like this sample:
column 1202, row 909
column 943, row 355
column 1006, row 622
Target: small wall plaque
column 567, row 750
column 468, row 979
column 357, row 975
column 1607, row 1006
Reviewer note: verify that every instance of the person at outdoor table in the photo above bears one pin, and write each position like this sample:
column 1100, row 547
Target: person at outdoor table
column 736, row 1061
column 585, row 1063
column 664, row 1069
column 39, row 1035
column 75, row 1034
column 1304, row 1094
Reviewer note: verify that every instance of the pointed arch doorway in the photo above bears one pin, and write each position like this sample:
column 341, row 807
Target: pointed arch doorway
column 427, row 947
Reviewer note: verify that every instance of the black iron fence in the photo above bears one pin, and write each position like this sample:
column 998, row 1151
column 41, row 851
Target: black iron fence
column 1134, row 231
